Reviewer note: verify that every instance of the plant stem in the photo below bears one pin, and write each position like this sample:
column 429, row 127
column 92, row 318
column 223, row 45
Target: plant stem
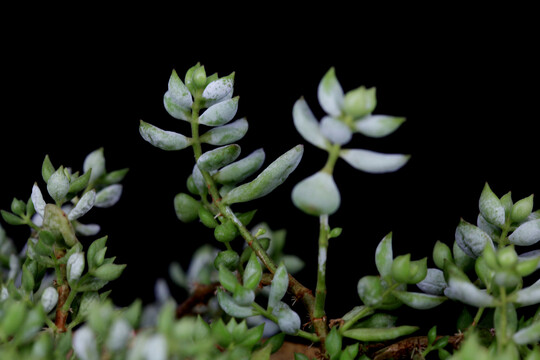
column 63, row 292
column 366, row 311
column 333, row 155
column 320, row 291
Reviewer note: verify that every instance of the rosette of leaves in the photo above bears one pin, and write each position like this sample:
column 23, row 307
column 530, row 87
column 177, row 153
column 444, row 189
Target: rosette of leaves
column 57, row 271
column 346, row 114
column 490, row 268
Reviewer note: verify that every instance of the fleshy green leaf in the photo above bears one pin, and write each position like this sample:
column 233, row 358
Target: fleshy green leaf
column 109, row 272
column 307, row 125
column 280, row 283
column 95, row 161
column 108, row 196
column 433, row 283
column 227, row 134
column 288, row 320
column 418, row 300
column 468, row 293
column 85, row 203
column 270, row 178
column 220, row 113
column 471, row 239
column 491, row 207
column 528, row 335
column 165, row 140
column 218, row 89
column 330, row 93
column 526, row 234
column 38, row 201
column 317, row 194
column 529, row 295
column 47, row 168
column 384, row 256
column 58, row 185
column 381, row 334
column 241, row 169
column 252, row 273
column 230, row 307
column 217, row 158
column 377, row 126
column 371, row 290
column 373, row 162
column 177, row 99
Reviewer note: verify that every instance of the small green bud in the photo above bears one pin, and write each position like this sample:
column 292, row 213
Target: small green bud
column 18, row 207
column 226, row 232
column 401, row 268
column 508, row 279
column 186, row 207
column 360, row 102
column 528, row 266
column 12, row 219
column 522, row 209
column 99, row 257
column 109, row 271
column 13, row 318
column 207, row 218
column 507, row 257
column 47, row 168
column 228, row 259
column 192, row 188
column 58, row 185
column 80, row 182
column 490, row 257
column 371, row 290
column 441, row 254
column 199, row 77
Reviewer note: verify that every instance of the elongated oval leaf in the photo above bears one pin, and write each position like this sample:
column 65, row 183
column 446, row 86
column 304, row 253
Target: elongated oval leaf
column 529, row 295
column 466, row 292
column 377, row 126
column 418, row 300
column 226, row 134
column 384, row 256
column 380, row 334
column 230, row 307
column 528, row 335
column 165, row 140
column 108, row 196
column 373, row 162
column 288, row 320
column 85, row 203
column 218, row 89
column 526, row 234
column 316, row 195
column 220, row 113
column 491, row 207
column 280, row 283
column 217, row 158
column 252, row 273
column 307, row 125
column 95, row 161
column 177, row 99
column 330, row 93
column 270, row 178
column 433, row 283
column 471, row 239
column 241, row 169
column 37, row 200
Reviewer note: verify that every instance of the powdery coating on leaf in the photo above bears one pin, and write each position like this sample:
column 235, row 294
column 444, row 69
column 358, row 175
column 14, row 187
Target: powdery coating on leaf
column 226, row 134
column 433, row 283
column 317, row 195
column 379, row 334
column 119, row 334
column 108, row 196
column 85, row 203
column 529, row 295
column 230, row 307
column 471, row 239
column 217, row 158
column 278, row 289
column 288, row 320
column 270, row 178
column 528, row 335
column 37, row 200
column 165, row 140
column 220, row 113
column 336, row 131
column 384, row 256
column 178, row 92
column 307, row 125
column 373, row 162
column 467, row 293
column 419, row 301
column 219, row 88
column 378, row 126
column 58, row 185
column 240, row 170
column 491, row 207
column 526, row 234
column 49, row 298
column 95, row 161
column 84, row 344
column 75, row 266
column 155, row 348
column 330, row 93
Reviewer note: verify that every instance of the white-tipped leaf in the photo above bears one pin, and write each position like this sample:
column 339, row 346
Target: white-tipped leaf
column 418, row 300
column 526, row 234
column 336, row 131
column 373, row 162
column 177, row 99
column 165, row 140
column 491, row 207
column 85, row 203
column 466, row 292
column 38, row 201
column 330, row 93
column 377, row 126
column 307, row 125
column 220, row 113
column 227, row 134
column 471, row 239
column 270, row 178
column 317, row 194
column 108, row 196
column 241, row 169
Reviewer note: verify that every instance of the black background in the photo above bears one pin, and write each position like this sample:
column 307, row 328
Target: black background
column 467, row 85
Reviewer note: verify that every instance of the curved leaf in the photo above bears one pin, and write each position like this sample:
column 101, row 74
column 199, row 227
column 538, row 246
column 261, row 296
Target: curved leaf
column 241, row 169
column 379, row 334
column 220, row 113
column 165, row 140
column 377, row 126
column 471, row 239
column 526, row 234
column 384, row 256
column 433, row 283
column 330, row 93
column 317, row 194
column 418, row 300
column 230, row 307
column 307, row 125
column 373, row 162
column 280, row 283
column 218, row 89
column 177, row 99
column 491, row 207
column 466, row 292
column 217, row 158
column 226, row 134
column 336, row 131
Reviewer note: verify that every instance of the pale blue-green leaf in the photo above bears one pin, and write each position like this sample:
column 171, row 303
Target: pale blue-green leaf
column 85, row 344
column 462, row 260
column 119, row 334
column 491, row 207
column 177, row 99
column 38, row 201
column 220, row 113
column 198, row 179
column 218, row 89
column 165, row 140
column 336, row 131
column 418, row 300
column 528, row 335
column 217, row 158
column 377, row 126
column 529, row 295
column 471, row 239
column 243, row 296
column 49, row 298
column 316, row 195
column 252, row 273
column 381, row 334
column 330, row 93
column 86, row 229
column 465, row 291
column 95, row 161
column 293, row 263
column 230, row 307
column 270, row 178
column 108, row 196
column 75, row 266
column 530, row 255
column 58, row 185
column 373, row 162
column 384, row 256
column 288, row 320
column 227, row 134
column 433, row 283
column 85, row 203
column 490, row 229
column 241, row 169
column 526, row 234
column 280, row 283
column 307, row 125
